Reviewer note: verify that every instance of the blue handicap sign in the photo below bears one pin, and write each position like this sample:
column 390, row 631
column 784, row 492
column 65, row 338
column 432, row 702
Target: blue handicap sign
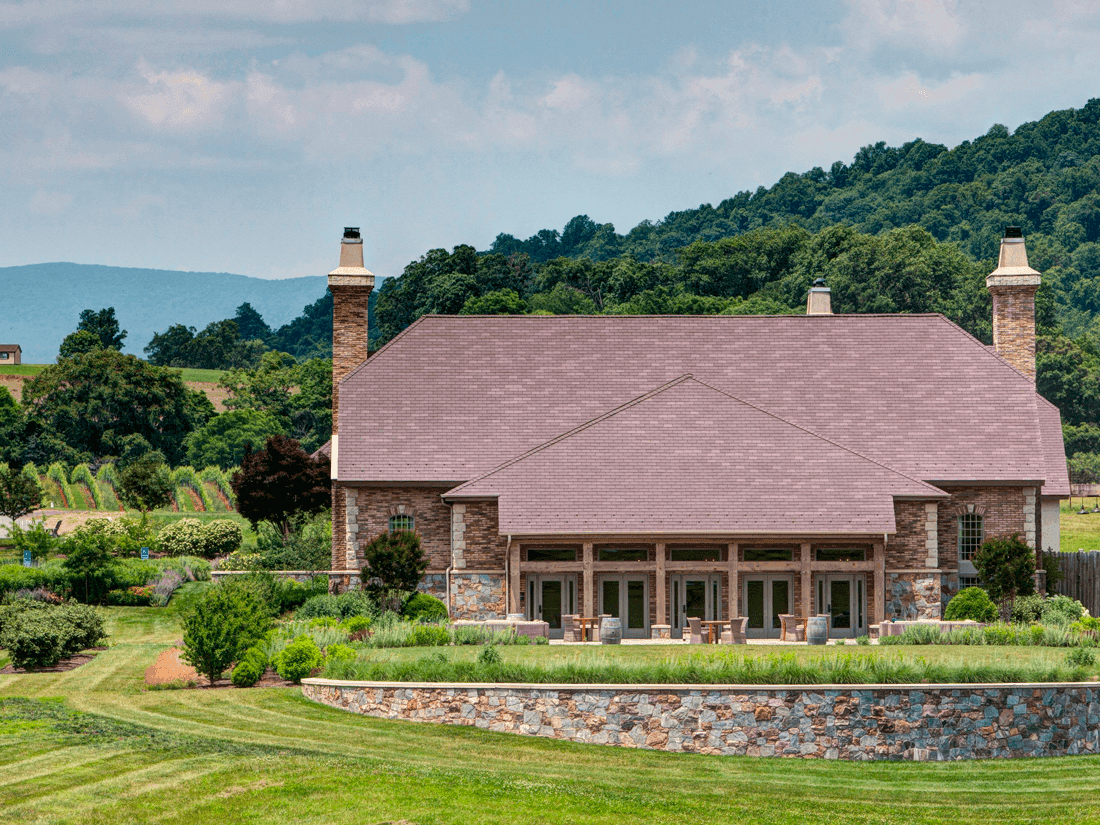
column 28, row 561
column 145, row 554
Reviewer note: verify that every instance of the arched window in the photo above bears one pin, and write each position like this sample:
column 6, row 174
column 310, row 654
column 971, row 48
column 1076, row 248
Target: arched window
column 971, row 535
column 401, row 522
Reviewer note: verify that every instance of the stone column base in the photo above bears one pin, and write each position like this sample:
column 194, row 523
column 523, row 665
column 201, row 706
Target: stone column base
column 660, row 631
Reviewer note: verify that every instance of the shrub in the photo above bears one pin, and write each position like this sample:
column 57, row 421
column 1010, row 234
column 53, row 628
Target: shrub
column 324, row 621
column 395, row 562
column 350, row 603
column 1005, row 567
column 428, row 635
column 863, row 640
column 83, row 625
column 277, row 595
column 36, row 538
column 1028, row 609
column 1080, row 657
column 298, row 660
column 39, row 635
column 488, row 656
column 355, row 624
column 339, row 651
column 251, row 668
column 164, row 587
column 89, row 563
column 971, row 603
column 185, row 537
column 422, row 607
column 222, row 537
column 1062, row 610
column 220, row 626
column 130, row 597
column 32, row 641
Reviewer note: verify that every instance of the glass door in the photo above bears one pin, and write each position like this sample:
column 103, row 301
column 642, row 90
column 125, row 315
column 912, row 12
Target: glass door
column 843, row 599
column 765, row 597
column 627, row 598
column 549, row 597
column 695, row 597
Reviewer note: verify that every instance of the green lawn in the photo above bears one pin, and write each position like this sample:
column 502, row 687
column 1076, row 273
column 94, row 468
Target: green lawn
column 205, row 376
column 22, row 369
column 1080, row 532
column 107, row 751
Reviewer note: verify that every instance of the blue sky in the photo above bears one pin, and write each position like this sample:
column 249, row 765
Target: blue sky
column 241, row 136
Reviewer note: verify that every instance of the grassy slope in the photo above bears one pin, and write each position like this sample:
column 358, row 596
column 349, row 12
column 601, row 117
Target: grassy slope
column 22, row 369
column 1080, row 532
column 268, row 756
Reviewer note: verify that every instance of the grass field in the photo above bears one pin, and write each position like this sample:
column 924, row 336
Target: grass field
column 91, row 746
column 22, row 369
column 203, row 376
column 1080, row 532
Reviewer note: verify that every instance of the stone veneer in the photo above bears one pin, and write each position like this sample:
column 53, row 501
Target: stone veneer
column 912, row 596
column 477, row 596
column 874, row 722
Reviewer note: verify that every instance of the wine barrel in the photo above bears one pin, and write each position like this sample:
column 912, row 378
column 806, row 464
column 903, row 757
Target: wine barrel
column 611, row 631
column 817, row 630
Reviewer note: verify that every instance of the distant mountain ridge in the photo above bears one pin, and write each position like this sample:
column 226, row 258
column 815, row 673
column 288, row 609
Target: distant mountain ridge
column 42, row 302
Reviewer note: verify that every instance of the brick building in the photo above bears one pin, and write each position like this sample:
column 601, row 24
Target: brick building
column 656, row 468
column 10, row 354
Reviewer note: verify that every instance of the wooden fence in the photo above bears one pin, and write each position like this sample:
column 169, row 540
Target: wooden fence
column 1080, row 578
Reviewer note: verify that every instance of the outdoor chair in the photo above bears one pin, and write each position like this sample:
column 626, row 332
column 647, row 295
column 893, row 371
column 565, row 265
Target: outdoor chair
column 695, row 630
column 787, row 622
column 737, row 631
column 569, row 629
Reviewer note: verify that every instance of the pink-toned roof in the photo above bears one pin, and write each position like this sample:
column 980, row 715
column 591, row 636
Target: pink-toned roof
column 10, row 348
column 688, row 458
column 454, row 396
column 1054, row 449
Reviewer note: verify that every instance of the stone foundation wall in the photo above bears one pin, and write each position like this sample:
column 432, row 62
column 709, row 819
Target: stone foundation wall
column 434, row 584
column 880, row 722
column 911, row 596
column 477, row 596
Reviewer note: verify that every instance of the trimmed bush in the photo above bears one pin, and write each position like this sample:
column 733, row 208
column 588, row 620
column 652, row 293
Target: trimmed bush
column 298, row 660
column 1028, row 609
column 38, row 635
column 428, row 635
column 422, row 607
column 351, row 603
column 339, row 651
column 185, row 537
column 222, row 537
column 355, row 624
column 251, row 668
column 971, row 603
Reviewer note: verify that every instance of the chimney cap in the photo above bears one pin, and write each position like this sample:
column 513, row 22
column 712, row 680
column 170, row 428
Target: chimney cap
column 351, row 231
column 819, row 282
column 1013, row 232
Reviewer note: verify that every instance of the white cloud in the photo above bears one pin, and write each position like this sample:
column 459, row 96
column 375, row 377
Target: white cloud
column 49, row 203
column 180, row 100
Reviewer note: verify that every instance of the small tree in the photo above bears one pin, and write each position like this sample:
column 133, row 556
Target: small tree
column 280, row 483
column 220, row 627
column 88, row 556
column 19, row 493
column 1006, row 567
column 394, row 565
column 146, row 485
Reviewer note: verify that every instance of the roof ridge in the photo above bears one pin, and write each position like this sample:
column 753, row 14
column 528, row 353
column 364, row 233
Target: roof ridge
column 986, row 348
column 817, row 435
column 567, row 434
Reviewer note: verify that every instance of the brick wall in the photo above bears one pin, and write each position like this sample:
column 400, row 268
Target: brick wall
column 908, row 549
column 485, row 547
column 432, row 519
column 1002, row 510
column 339, row 529
column 1014, row 326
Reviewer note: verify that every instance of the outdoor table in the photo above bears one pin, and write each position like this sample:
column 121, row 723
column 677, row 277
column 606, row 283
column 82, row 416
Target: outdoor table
column 588, row 622
column 714, row 629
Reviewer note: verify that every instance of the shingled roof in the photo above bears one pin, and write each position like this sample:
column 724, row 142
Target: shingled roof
column 688, row 458
column 454, row 396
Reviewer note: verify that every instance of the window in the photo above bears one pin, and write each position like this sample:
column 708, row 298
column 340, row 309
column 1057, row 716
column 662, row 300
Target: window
column 968, row 581
column 768, row 554
column 551, row 554
column 971, row 531
column 401, row 522
column 695, row 554
column 3, row 356
column 623, row 554
column 841, row 554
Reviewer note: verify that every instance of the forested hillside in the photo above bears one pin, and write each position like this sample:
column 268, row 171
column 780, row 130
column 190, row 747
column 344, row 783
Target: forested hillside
column 913, row 228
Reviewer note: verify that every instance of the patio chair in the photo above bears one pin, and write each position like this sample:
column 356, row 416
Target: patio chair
column 738, row 628
column 569, row 630
column 695, row 630
column 787, row 622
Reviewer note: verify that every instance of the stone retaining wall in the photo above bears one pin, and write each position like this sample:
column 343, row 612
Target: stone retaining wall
column 921, row 722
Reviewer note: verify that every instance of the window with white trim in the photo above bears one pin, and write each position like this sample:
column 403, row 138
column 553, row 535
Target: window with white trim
column 971, row 533
column 401, row 522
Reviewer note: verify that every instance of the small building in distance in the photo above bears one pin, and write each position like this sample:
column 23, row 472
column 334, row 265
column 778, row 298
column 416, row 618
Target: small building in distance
column 10, row 354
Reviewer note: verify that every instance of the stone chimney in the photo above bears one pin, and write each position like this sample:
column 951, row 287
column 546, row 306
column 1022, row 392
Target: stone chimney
column 351, row 287
column 820, row 299
column 1013, row 285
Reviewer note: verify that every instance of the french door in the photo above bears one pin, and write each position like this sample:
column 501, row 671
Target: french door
column 626, row 597
column 697, row 597
column 765, row 597
column 843, row 598
column 549, row 597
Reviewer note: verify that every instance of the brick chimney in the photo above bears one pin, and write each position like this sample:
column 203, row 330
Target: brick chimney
column 351, row 286
column 1013, row 285
column 820, row 299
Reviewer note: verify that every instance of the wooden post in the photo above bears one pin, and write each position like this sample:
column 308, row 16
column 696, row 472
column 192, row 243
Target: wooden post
column 880, row 581
column 807, row 582
column 661, row 584
column 734, row 583
column 588, row 586
column 513, row 577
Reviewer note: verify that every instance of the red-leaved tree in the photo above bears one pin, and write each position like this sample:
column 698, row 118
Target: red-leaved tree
column 281, row 482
